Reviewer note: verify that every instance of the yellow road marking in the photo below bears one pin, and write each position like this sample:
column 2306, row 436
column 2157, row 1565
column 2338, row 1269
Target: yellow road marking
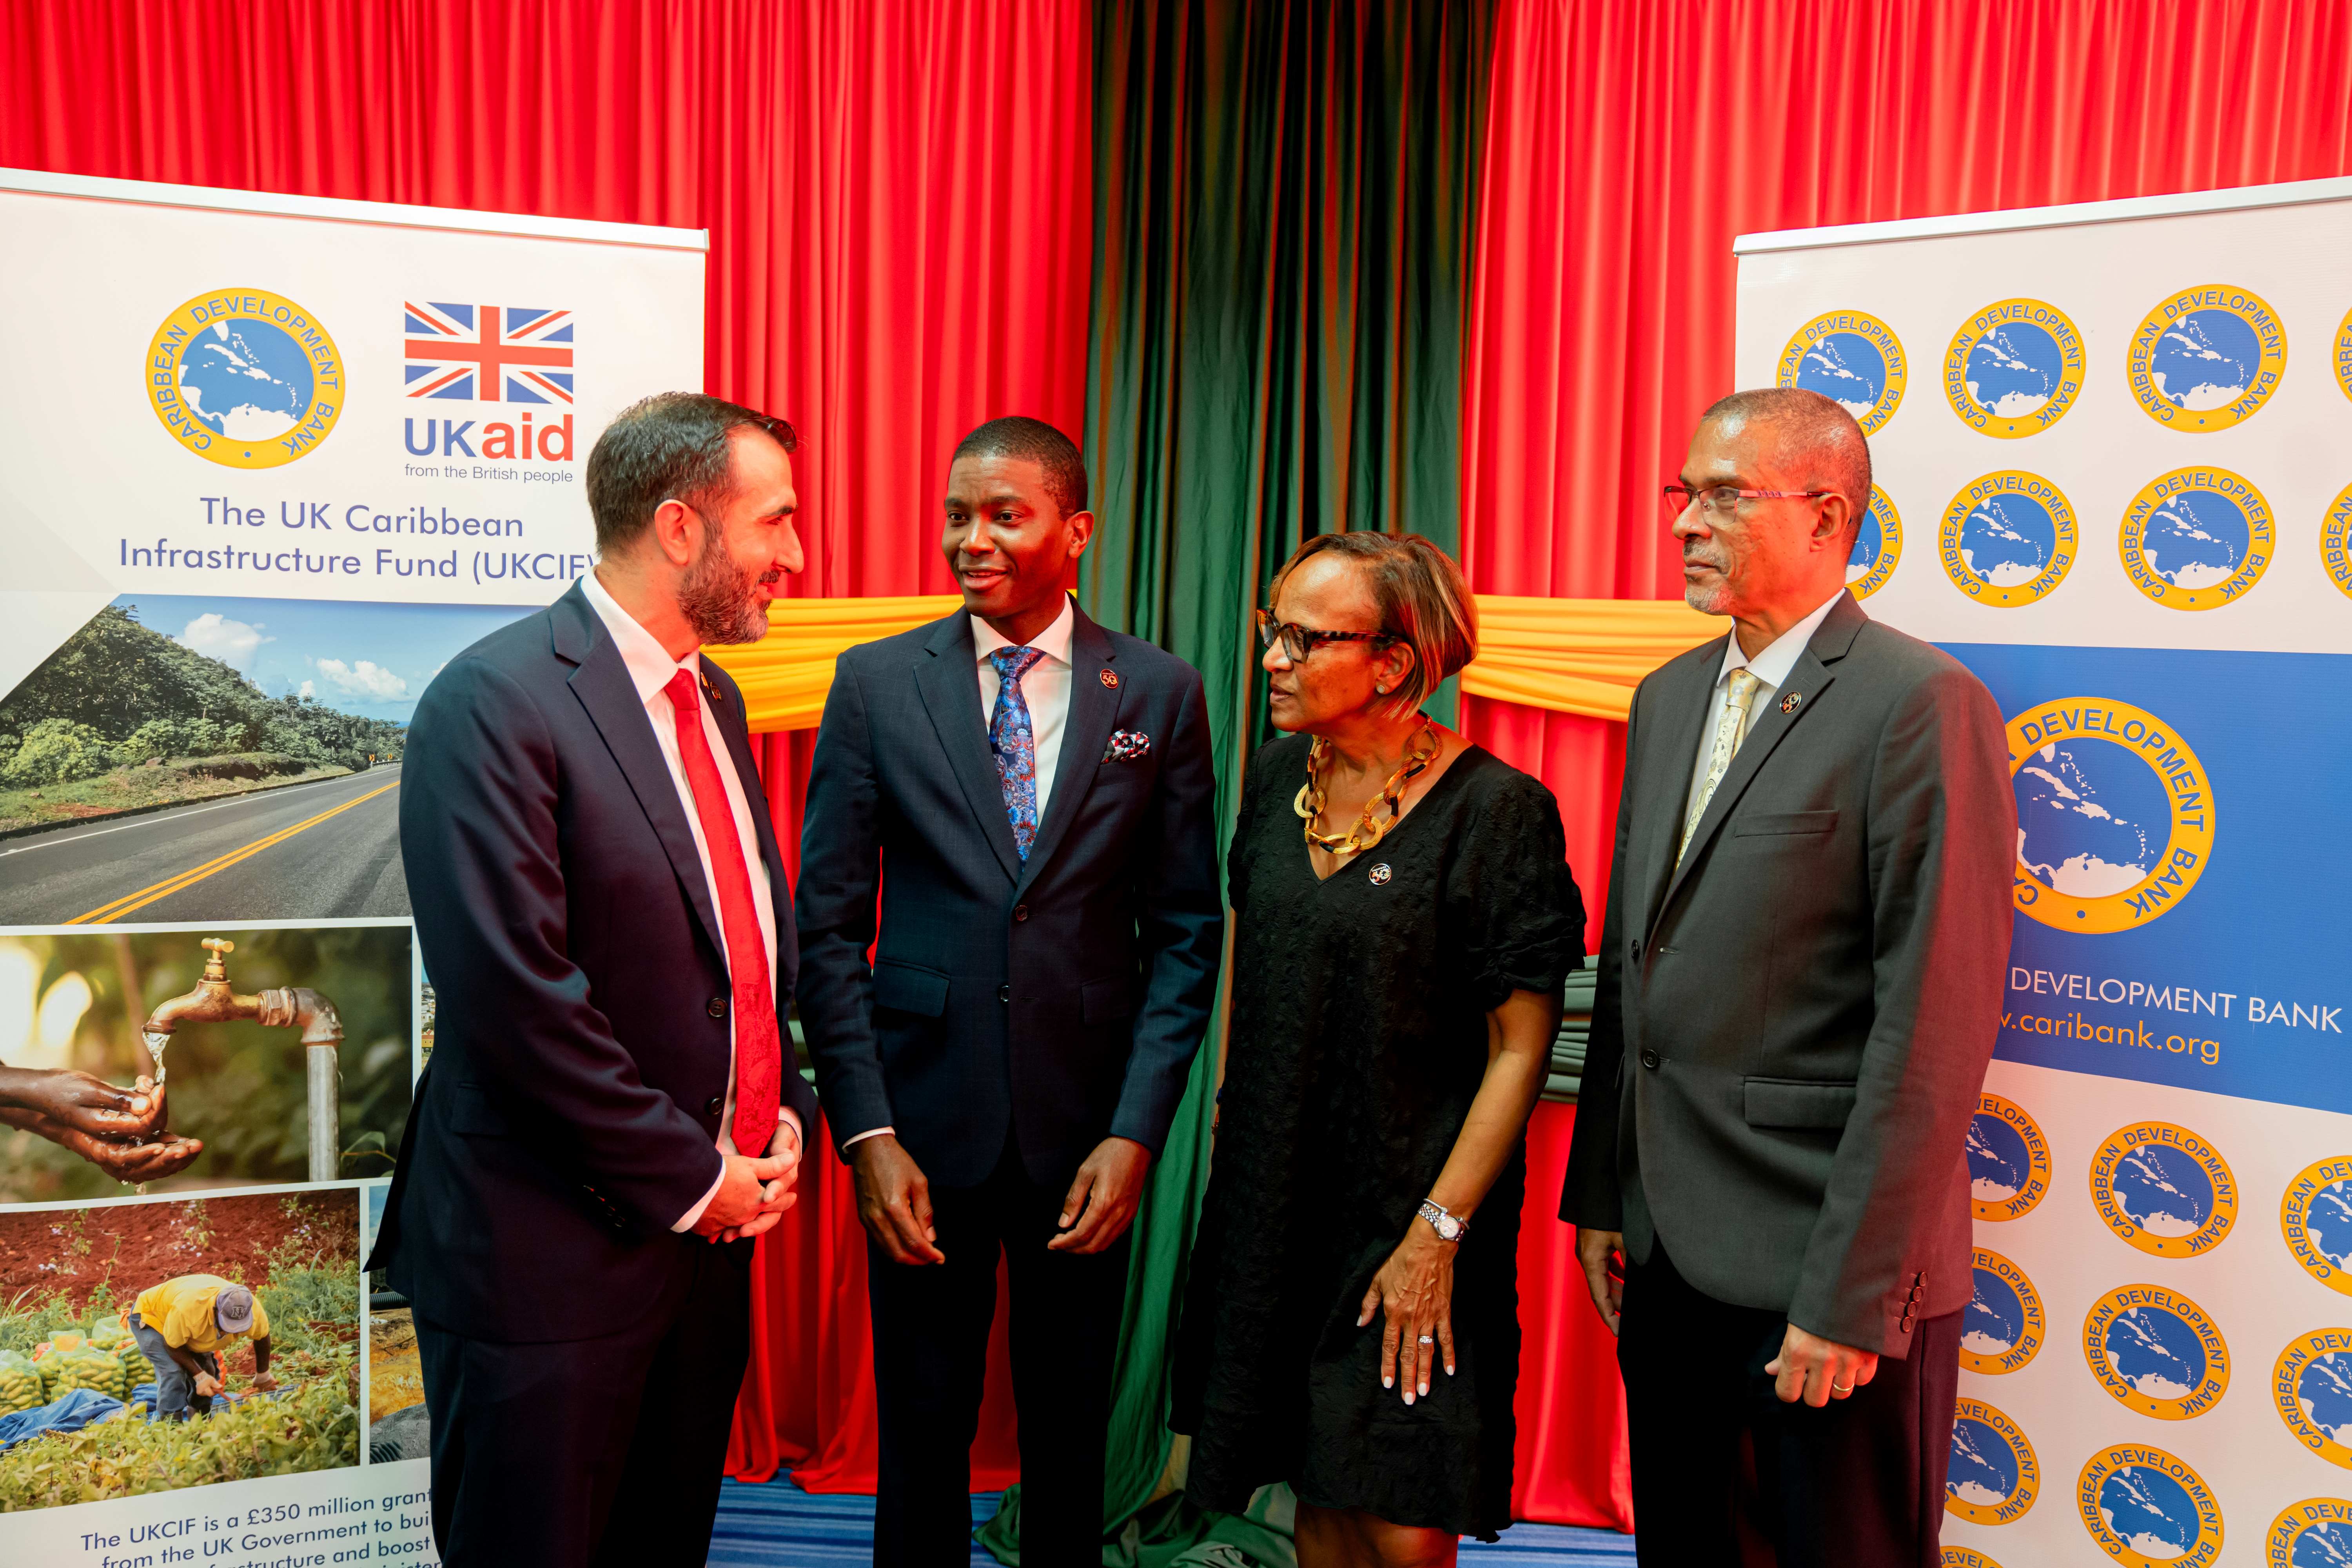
column 170, row 885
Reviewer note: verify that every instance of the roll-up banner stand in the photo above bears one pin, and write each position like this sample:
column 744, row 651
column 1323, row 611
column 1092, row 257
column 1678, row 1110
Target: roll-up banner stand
column 271, row 462
column 2114, row 450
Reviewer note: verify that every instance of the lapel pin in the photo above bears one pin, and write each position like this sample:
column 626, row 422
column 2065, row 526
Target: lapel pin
column 1110, row 679
column 1380, row 875
column 1788, row 703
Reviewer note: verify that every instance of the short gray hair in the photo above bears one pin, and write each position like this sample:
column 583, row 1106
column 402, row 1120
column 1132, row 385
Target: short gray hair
column 1812, row 435
column 669, row 446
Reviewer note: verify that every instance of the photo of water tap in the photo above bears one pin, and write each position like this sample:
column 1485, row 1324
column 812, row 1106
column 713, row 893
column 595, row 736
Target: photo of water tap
column 201, row 1057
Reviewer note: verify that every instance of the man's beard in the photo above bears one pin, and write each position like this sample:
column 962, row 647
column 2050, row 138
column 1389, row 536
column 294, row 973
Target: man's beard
column 721, row 600
column 1713, row 600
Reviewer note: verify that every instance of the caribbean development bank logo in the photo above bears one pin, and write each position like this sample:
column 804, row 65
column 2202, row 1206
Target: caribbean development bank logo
column 1878, row 546
column 2197, row 538
column 2316, row 1219
column 2008, row 538
column 2146, row 1509
column 245, row 378
column 1850, row 358
column 2009, row 1160
column 2313, row 1533
column 1966, row 1557
column 2207, row 358
column 1994, row 1476
column 2157, row 1351
column 2311, row 1388
column 2004, row 1326
column 2342, row 360
column 2114, row 819
column 2163, row 1189
column 2336, row 541
column 2014, row 368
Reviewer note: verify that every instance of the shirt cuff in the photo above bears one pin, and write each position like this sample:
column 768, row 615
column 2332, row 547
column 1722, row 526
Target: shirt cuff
column 694, row 1214
column 869, row 1132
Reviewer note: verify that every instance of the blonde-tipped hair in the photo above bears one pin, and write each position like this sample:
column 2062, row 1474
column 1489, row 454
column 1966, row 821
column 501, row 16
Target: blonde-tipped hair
column 1424, row 603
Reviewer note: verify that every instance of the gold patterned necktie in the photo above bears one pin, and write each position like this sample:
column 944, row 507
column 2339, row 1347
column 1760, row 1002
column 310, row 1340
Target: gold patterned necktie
column 1730, row 731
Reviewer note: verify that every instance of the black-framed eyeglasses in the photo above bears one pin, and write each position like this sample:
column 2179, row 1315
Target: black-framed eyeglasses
column 1300, row 642
column 1722, row 501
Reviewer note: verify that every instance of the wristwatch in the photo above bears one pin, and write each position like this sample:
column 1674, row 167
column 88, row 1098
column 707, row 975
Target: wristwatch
column 1448, row 1226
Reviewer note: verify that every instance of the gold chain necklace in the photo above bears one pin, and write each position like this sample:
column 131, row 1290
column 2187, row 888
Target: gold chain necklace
column 1367, row 832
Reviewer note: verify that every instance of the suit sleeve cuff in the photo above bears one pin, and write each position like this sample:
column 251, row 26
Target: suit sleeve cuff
column 693, row 1216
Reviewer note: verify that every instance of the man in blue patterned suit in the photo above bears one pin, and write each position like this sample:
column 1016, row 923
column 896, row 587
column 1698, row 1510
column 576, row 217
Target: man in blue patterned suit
column 1030, row 797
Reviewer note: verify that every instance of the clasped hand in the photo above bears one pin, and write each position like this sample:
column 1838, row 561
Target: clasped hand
column 753, row 1193
column 119, row 1130
column 1414, row 1293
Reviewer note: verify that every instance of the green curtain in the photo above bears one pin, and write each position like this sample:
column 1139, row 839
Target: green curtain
column 1284, row 205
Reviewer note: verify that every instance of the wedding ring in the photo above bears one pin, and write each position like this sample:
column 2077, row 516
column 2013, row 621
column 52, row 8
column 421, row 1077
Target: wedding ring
column 1841, row 1388
column 1428, row 1340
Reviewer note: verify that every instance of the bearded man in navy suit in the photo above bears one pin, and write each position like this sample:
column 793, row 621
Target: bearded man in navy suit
column 1030, row 797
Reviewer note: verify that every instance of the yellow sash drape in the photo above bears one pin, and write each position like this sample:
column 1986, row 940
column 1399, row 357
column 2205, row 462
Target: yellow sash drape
column 1572, row 656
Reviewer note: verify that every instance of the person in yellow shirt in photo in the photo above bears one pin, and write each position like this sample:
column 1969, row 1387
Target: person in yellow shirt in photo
column 186, row 1326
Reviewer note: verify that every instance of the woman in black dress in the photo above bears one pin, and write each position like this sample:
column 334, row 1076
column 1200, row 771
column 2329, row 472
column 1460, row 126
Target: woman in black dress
column 1352, row 1322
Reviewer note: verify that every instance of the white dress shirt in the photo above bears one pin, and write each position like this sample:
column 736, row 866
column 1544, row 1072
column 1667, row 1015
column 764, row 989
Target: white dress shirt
column 1770, row 668
column 1046, row 689
column 651, row 670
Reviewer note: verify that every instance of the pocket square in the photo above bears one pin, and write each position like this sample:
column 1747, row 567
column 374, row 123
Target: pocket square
column 1127, row 746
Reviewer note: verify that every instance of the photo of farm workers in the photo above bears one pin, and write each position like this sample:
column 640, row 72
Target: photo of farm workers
column 202, row 1058
column 146, row 1346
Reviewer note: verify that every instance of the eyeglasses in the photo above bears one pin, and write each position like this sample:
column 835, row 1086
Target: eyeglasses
column 1300, row 642
column 1722, row 501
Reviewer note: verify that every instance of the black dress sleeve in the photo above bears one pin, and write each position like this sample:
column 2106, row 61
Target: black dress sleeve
column 1517, row 902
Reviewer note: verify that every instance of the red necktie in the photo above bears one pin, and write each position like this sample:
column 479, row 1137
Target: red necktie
column 758, row 1057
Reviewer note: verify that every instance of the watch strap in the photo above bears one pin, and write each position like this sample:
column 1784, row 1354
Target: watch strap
column 1432, row 1211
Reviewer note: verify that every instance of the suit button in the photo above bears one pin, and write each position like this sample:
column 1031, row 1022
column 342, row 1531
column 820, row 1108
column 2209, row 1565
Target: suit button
column 1650, row 1059
column 1020, row 911
column 1637, row 948
column 1004, row 993
column 716, row 1006
column 712, row 1106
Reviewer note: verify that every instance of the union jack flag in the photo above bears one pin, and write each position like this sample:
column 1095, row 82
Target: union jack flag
column 490, row 353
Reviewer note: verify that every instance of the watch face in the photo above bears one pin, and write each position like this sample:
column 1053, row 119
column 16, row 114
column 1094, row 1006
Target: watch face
column 1449, row 1227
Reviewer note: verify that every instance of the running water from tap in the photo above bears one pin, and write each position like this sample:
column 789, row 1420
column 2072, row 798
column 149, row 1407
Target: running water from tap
column 156, row 1041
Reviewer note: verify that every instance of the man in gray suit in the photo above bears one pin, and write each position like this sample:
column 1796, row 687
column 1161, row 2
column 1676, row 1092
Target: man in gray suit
column 1801, row 977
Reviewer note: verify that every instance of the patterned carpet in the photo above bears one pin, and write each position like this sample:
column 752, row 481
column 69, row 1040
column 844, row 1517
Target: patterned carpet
column 780, row 1526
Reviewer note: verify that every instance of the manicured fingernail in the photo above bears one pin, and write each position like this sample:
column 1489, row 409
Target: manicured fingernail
column 1408, row 1397
column 1387, row 1381
column 1425, row 1390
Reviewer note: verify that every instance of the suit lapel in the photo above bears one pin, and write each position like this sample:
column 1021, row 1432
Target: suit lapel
column 1085, row 730
column 601, row 684
column 949, row 681
column 1798, row 696
column 1684, row 704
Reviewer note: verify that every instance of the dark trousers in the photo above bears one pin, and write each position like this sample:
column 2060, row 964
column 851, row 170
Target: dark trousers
column 603, row 1451
column 175, row 1386
column 1725, row 1474
column 930, row 1365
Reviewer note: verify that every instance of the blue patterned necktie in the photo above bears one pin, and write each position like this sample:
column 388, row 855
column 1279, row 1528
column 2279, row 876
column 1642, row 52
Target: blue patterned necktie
column 1010, row 737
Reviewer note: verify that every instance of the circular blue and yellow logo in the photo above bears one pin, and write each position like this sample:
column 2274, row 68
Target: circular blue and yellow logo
column 2207, row 358
column 1850, row 358
column 245, row 378
column 2009, row 1160
column 2313, row 1533
column 2115, row 824
column 2147, row 1508
column 1993, row 1477
column 2343, row 359
column 1965, row 1557
column 2197, row 538
column 2014, row 368
column 2336, row 541
column 2008, row 538
column 2163, row 1189
column 1878, row 546
column 2315, row 1218
column 2155, row 1350
column 2312, row 1387
column 2004, row 1326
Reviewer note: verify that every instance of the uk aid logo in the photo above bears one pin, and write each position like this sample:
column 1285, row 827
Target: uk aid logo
column 2157, row 1351
column 2004, row 1326
column 245, row 378
column 2008, row 538
column 2014, row 368
column 2148, row 1509
column 1993, row 1477
column 2196, row 539
column 2207, row 358
column 2009, row 1160
column 519, row 356
column 2316, row 1220
column 2163, row 1189
column 1852, row 359
column 2311, row 1387
column 2115, row 817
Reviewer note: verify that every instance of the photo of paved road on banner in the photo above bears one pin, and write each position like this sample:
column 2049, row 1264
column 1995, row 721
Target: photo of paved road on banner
column 202, row 758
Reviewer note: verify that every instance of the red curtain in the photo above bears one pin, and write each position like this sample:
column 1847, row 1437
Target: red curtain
column 900, row 205
column 1628, row 142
